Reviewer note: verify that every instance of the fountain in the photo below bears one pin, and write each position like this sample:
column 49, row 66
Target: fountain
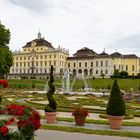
column 67, row 88
column 66, row 81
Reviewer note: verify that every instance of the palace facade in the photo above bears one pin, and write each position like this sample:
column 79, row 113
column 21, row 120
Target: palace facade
column 38, row 55
column 88, row 64
column 35, row 59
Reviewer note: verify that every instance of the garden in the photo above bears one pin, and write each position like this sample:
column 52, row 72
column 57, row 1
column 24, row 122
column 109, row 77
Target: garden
column 92, row 106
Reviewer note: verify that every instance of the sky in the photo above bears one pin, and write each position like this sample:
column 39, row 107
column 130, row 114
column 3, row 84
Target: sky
column 113, row 25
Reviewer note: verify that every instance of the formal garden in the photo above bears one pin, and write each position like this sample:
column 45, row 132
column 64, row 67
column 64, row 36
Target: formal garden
column 24, row 106
column 64, row 103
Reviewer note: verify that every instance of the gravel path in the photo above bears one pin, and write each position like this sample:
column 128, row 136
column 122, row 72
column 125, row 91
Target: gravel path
column 57, row 135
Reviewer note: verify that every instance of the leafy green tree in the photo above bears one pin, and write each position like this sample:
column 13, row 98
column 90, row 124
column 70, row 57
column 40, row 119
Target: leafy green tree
column 4, row 36
column 123, row 74
column 116, row 73
column 116, row 104
column 6, row 59
column 138, row 74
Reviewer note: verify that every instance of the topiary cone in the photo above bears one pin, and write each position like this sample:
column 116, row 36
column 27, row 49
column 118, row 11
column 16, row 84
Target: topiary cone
column 116, row 103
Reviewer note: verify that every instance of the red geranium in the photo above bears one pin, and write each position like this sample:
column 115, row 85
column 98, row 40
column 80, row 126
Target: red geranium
column 79, row 111
column 4, row 130
column 12, row 119
column 4, row 83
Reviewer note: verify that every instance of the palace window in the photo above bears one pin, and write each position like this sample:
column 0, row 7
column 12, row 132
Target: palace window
column 106, row 63
column 36, row 63
column 126, row 67
column 80, row 64
column 133, row 67
column 16, row 64
column 68, row 65
column 54, row 63
column 45, row 63
column 96, row 63
column 114, row 67
column 24, row 64
column 91, row 64
column 96, row 71
column 40, row 63
column 101, row 63
column 50, row 63
column 85, row 64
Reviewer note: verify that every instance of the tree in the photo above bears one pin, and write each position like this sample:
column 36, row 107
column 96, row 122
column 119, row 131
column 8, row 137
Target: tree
column 138, row 75
column 123, row 74
column 52, row 106
column 4, row 36
column 6, row 59
column 116, row 104
column 116, row 73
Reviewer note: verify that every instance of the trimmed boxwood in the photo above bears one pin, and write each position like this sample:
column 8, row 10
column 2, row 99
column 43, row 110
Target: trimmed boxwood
column 116, row 104
column 52, row 106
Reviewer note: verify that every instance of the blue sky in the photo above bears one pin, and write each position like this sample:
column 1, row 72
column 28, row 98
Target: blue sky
column 96, row 24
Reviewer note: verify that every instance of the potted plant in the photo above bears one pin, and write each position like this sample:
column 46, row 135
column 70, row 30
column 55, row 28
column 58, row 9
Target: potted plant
column 116, row 107
column 50, row 109
column 80, row 115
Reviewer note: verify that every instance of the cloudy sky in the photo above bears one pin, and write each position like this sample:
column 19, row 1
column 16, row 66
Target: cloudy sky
column 73, row 24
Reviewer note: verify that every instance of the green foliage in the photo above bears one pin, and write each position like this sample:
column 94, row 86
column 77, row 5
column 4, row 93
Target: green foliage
column 0, row 99
column 4, row 36
column 6, row 59
column 51, row 107
column 116, row 104
column 123, row 74
column 139, row 87
column 33, row 85
column 138, row 74
column 108, row 87
column 116, row 73
column 16, row 136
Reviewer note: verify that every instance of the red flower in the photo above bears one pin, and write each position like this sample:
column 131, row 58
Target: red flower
column 80, row 112
column 4, row 130
column 4, row 83
column 1, row 82
column 37, row 124
column 12, row 119
column 7, row 122
column 20, row 123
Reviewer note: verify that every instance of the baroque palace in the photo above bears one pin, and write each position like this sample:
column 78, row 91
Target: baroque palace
column 38, row 55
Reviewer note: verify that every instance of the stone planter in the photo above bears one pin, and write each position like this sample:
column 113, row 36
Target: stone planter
column 80, row 120
column 115, row 121
column 50, row 117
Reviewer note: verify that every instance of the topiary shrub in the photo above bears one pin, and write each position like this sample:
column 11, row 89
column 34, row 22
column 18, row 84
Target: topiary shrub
column 0, row 99
column 116, row 104
column 52, row 106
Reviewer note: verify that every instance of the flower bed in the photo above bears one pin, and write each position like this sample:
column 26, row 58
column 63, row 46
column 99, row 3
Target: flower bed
column 4, row 83
column 28, row 120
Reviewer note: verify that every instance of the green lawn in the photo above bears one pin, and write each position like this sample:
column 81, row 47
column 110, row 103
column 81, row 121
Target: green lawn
column 97, row 84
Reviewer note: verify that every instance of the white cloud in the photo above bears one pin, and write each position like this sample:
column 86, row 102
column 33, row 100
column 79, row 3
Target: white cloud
column 97, row 24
